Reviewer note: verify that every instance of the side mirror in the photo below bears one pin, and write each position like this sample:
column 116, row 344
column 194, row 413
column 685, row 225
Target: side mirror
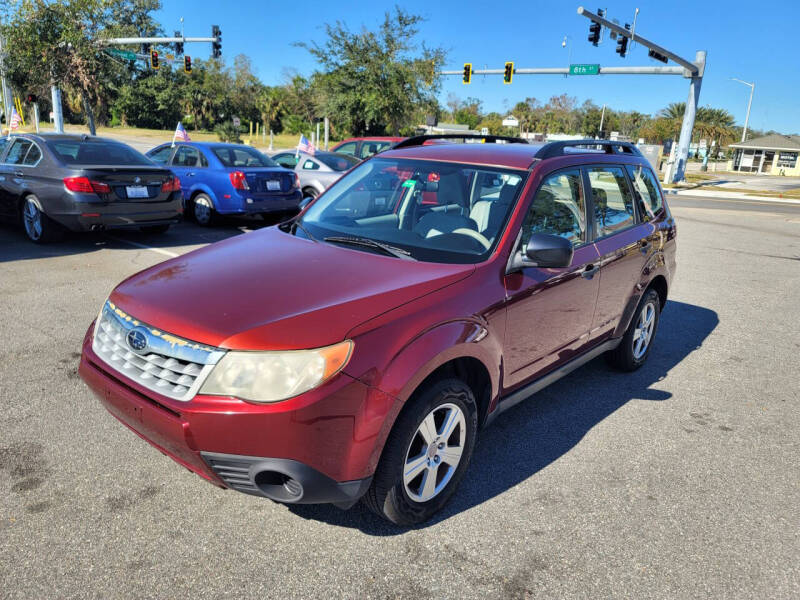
column 305, row 202
column 544, row 251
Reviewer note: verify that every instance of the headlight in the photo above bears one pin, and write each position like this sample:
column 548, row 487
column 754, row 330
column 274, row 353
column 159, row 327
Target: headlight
column 275, row 376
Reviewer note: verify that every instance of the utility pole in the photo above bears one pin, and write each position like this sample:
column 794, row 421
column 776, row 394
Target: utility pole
column 602, row 120
column 749, row 104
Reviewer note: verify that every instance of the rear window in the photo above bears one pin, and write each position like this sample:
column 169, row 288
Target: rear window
column 242, row 156
column 337, row 162
column 79, row 152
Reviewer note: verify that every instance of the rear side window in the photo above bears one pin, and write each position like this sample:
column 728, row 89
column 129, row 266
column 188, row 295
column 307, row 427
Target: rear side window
column 33, row 155
column 558, row 208
column 186, row 156
column 337, row 162
column 103, row 152
column 613, row 204
column 287, row 160
column 310, row 165
column 18, row 151
column 372, row 148
column 646, row 189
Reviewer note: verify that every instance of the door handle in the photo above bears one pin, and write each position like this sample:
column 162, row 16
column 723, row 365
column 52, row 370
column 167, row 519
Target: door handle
column 190, row 174
column 19, row 173
column 589, row 271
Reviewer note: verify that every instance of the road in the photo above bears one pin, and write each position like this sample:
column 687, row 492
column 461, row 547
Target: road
column 679, row 480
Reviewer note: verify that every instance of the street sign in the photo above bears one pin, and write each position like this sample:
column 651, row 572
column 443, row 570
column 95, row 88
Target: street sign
column 236, row 122
column 510, row 121
column 584, row 69
column 122, row 53
column 484, row 131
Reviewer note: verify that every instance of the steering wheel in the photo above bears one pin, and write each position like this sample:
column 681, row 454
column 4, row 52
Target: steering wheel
column 477, row 236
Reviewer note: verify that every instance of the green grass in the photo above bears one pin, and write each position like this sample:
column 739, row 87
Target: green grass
column 281, row 140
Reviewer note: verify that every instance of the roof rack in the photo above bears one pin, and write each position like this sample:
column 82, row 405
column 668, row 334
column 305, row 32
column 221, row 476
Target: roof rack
column 552, row 149
column 419, row 140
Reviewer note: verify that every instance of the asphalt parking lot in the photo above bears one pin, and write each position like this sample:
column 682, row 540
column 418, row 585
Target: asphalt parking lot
column 679, row 480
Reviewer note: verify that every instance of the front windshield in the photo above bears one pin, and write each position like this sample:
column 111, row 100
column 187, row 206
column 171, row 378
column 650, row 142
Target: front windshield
column 437, row 212
column 242, row 156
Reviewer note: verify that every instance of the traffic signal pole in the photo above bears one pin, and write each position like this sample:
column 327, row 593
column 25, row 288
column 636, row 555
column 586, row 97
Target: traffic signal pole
column 690, row 70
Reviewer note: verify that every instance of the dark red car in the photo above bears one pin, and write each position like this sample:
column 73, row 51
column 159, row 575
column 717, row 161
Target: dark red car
column 356, row 350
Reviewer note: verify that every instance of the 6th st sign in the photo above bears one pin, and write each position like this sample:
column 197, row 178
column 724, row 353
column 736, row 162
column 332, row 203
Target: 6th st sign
column 584, row 69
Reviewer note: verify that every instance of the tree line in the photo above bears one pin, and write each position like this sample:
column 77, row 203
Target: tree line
column 368, row 82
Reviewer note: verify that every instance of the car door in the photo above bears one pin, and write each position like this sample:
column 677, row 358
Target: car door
column 550, row 311
column 13, row 173
column 186, row 164
column 621, row 241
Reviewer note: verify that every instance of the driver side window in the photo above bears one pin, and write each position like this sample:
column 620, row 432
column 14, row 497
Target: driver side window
column 558, row 208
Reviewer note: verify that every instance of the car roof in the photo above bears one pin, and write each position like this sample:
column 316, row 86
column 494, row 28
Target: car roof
column 374, row 138
column 70, row 137
column 514, row 156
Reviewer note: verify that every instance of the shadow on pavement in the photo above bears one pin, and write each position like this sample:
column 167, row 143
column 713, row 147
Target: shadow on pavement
column 539, row 431
column 14, row 245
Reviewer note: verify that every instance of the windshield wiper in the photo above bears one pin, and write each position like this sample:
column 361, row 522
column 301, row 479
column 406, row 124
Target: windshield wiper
column 298, row 225
column 359, row 241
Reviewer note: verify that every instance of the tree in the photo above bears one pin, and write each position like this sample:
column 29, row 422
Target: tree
column 468, row 113
column 375, row 81
column 48, row 43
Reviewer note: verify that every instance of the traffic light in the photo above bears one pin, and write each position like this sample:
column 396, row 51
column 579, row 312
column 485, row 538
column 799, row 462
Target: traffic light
column 187, row 64
column 216, row 45
column 467, row 73
column 622, row 43
column 658, row 56
column 595, row 28
column 154, row 59
column 31, row 98
column 508, row 74
column 178, row 45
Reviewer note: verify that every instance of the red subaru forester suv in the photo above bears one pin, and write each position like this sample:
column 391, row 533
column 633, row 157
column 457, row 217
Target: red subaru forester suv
column 356, row 350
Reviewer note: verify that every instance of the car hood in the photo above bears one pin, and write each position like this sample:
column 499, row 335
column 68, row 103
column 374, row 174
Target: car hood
column 271, row 290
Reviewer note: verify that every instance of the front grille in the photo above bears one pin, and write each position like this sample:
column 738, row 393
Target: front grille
column 172, row 366
column 235, row 473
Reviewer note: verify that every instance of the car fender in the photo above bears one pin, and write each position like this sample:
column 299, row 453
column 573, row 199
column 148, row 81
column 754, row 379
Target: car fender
column 200, row 187
column 419, row 357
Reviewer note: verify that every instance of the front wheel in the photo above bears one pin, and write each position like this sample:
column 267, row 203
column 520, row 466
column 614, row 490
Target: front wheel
column 635, row 346
column 426, row 454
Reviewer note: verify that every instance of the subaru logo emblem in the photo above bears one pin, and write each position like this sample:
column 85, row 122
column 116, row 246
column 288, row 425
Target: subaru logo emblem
column 137, row 340
column 137, row 180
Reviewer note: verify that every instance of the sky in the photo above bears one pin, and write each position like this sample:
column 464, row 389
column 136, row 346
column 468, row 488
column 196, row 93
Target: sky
column 753, row 41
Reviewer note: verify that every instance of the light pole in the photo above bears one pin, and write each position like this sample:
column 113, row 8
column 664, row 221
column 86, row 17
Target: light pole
column 749, row 104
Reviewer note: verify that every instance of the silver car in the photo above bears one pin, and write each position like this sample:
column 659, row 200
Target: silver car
column 318, row 171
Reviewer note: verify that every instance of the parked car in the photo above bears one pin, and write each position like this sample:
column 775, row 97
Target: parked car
column 53, row 182
column 316, row 171
column 365, row 147
column 228, row 179
column 356, row 350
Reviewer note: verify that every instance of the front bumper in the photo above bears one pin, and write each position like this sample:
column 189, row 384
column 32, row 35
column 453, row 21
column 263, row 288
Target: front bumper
column 320, row 447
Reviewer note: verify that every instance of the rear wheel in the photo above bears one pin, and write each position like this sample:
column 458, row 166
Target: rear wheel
column 202, row 210
column 39, row 228
column 426, row 454
column 635, row 346
column 155, row 228
column 310, row 192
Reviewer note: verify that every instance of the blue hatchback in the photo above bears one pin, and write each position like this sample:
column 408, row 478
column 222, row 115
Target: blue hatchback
column 228, row 179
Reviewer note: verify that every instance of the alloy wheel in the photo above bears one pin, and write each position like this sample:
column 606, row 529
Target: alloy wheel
column 644, row 330
column 435, row 452
column 202, row 210
column 32, row 219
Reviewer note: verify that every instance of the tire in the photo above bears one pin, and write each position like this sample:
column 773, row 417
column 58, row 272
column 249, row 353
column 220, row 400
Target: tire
column 202, row 210
column 155, row 228
column 39, row 228
column 407, row 501
column 631, row 353
column 310, row 192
